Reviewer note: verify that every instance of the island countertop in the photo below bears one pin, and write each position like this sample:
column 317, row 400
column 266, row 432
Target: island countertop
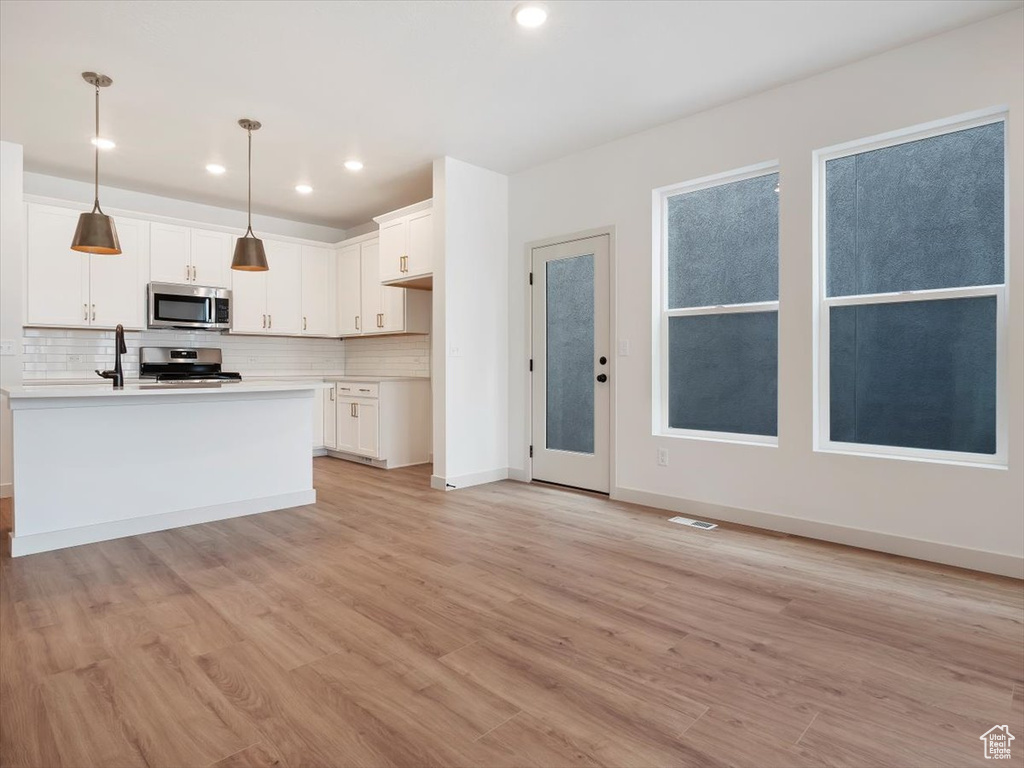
column 22, row 395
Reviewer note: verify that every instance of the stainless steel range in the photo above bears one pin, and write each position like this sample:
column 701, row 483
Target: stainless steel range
column 197, row 365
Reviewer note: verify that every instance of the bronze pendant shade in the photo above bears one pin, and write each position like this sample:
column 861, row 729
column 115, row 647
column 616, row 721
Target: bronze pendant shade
column 249, row 254
column 96, row 232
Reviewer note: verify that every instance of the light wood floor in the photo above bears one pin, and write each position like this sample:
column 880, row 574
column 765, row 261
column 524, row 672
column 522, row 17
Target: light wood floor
column 503, row 625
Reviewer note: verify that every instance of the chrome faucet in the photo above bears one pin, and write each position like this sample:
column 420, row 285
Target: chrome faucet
column 119, row 349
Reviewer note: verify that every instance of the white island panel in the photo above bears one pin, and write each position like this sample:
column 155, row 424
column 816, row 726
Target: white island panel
column 97, row 464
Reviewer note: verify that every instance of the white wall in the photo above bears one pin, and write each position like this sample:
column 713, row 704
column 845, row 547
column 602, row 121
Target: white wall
column 12, row 239
column 470, row 334
column 141, row 202
column 966, row 515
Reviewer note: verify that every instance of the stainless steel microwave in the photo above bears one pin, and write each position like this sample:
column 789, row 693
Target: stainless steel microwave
column 189, row 306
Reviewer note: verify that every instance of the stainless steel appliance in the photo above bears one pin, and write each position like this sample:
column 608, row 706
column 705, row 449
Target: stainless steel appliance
column 189, row 306
column 198, row 365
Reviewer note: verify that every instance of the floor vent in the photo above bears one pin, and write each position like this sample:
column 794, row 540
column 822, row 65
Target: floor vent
column 692, row 523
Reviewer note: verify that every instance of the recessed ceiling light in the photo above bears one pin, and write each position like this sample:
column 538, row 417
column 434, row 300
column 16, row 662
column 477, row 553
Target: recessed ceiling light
column 530, row 15
column 354, row 165
column 303, row 189
column 102, row 143
column 215, row 169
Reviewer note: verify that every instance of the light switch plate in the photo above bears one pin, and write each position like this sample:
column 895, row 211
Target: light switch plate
column 6, row 347
column 623, row 347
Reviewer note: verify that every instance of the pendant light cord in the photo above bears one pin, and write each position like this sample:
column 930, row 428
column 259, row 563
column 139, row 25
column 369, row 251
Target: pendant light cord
column 249, row 233
column 96, row 150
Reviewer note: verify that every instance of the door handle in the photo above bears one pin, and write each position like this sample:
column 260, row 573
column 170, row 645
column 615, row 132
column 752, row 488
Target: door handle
column 195, row 273
column 303, row 323
column 355, row 408
column 352, row 410
column 357, row 322
column 85, row 312
column 188, row 274
column 270, row 322
column 264, row 321
column 94, row 313
column 602, row 378
column 332, row 393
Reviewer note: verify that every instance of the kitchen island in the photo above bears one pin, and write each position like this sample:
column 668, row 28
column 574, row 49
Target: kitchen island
column 93, row 463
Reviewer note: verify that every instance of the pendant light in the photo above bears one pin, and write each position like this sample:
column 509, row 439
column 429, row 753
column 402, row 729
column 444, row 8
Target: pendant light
column 249, row 254
column 95, row 232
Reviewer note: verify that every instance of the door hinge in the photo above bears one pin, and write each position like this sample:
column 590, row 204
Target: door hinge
column 531, row 365
column 531, row 451
column 531, row 278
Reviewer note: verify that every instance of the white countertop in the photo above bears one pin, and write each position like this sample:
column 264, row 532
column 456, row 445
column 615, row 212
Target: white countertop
column 134, row 389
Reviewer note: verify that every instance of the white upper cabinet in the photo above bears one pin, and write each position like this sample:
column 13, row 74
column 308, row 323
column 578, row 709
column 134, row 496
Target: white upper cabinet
column 248, row 301
column 316, row 290
column 170, row 253
column 365, row 307
column 189, row 255
column 71, row 289
column 211, row 258
column 117, row 284
column 349, row 291
column 284, row 287
column 407, row 246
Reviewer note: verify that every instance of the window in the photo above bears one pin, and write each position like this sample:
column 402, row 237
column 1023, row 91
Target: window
column 911, row 294
column 717, row 269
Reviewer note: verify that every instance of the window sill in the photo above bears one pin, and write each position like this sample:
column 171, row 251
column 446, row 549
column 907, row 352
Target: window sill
column 954, row 461
column 720, row 437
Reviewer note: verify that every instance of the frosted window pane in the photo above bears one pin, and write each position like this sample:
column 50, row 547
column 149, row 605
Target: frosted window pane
column 915, row 374
column 723, row 244
column 723, row 372
column 920, row 215
column 570, row 354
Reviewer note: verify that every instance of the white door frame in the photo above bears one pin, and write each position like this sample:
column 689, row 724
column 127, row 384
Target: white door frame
column 613, row 372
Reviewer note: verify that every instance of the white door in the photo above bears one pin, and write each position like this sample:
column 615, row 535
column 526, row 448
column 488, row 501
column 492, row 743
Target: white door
column 58, row 278
column 211, row 258
column 316, row 290
column 371, row 290
column 392, row 249
column 420, row 244
column 571, row 363
column 248, row 301
column 117, row 283
column 347, row 436
column 284, row 287
column 330, row 413
column 170, row 253
column 349, row 291
column 367, row 428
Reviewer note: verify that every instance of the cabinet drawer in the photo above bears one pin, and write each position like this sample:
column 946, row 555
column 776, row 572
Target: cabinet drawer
column 358, row 389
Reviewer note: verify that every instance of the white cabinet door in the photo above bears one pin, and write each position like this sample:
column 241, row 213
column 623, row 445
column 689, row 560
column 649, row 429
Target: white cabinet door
column 58, row 278
column 211, row 258
column 347, row 438
column 319, row 402
column 349, row 291
column 316, row 288
column 420, row 244
column 330, row 417
column 117, row 283
column 368, row 428
column 248, row 301
column 392, row 249
column 392, row 309
column 170, row 253
column 371, row 320
column 284, row 287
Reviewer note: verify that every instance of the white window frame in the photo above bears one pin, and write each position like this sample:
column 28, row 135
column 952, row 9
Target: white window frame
column 823, row 442
column 662, row 313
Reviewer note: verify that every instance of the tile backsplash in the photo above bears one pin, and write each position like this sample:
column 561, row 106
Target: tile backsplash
column 53, row 353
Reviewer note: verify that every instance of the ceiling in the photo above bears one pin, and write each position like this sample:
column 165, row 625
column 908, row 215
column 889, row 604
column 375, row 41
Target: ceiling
column 396, row 84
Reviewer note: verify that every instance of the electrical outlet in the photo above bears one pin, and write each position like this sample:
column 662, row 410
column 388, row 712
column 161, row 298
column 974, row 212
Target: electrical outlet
column 454, row 350
column 252, row 359
column 623, row 347
column 662, row 457
column 6, row 347
column 74, row 359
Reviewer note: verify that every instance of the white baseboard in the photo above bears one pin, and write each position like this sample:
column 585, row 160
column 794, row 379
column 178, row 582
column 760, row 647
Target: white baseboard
column 321, row 451
column 88, row 534
column 948, row 554
column 519, row 475
column 6, row 490
column 465, row 481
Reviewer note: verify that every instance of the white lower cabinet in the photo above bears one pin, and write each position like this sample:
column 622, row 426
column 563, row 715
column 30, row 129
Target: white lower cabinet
column 385, row 421
column 320, row 420
column 329, row 416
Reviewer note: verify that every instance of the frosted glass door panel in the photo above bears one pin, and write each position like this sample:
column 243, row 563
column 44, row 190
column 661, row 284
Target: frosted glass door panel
column 570, row 354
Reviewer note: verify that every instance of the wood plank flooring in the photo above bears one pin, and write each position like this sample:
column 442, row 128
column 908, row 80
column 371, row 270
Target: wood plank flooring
column 505, row 625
